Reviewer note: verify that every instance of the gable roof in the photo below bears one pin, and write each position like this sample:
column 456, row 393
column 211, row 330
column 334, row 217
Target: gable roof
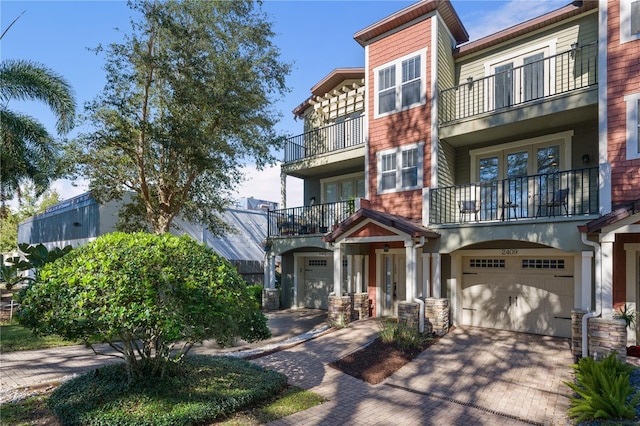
column 408, row 14
column 398, row 222
column 619, row 213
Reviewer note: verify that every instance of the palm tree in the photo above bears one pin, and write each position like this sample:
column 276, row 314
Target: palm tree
column 27, row 151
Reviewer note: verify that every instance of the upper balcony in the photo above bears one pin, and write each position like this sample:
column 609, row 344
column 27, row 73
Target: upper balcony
column 522, row 98
column 562, row 195
column 334, row 148
column 309, row 220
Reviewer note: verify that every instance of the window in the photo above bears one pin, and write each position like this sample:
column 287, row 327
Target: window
column 400, row 85
column 629, row 20
column 343, row 188
column 633, row 125
column 521, row 76
column 487, row 263
column 400, row 169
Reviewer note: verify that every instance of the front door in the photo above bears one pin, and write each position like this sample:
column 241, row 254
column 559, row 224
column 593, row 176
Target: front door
column 394, row 283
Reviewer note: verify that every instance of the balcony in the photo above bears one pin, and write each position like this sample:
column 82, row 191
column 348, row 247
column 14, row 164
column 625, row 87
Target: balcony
column 335, row 137
column 535, row 81
column 565, row 194
column 306, row 220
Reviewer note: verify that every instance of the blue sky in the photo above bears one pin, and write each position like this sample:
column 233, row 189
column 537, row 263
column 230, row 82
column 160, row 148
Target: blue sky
column 316, row 36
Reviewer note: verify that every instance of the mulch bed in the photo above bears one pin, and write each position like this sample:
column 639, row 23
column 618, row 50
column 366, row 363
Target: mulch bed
column 377, row 361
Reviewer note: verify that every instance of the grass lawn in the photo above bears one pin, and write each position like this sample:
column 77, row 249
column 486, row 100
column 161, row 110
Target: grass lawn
column 206, row 390
column 14, row 337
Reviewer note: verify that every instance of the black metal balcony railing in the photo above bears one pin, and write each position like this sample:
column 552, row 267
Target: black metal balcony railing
column 316, row 219
column 536, row 79
column 326, row 139
column 568, row 193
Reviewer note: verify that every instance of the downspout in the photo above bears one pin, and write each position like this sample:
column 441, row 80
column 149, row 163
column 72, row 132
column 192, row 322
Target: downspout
column 598, row 278
column 420, row 301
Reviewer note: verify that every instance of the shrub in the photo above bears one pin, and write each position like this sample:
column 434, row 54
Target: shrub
column 256, row 293
column 603, row 389
column 405, row 335
column 143, row 294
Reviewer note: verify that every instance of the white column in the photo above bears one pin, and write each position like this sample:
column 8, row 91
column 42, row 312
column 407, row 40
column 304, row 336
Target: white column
column 358, row 273
column 426, row 275
column 283, row 190
column 607, row 278
column 437, row 276
column 272, row 270
column 350, row 274
column 587, row 280
column 337, row 269
column 412, row 271
column 297, row 277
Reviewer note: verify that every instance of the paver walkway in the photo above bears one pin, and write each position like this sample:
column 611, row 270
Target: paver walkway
column 472, row 376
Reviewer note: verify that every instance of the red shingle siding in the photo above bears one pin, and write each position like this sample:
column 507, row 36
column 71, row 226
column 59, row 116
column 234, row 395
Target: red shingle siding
column 402, row 128
column 623, row 74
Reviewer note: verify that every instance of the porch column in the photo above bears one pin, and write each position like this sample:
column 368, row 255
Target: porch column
column 350, row 274
column 283, row 190
column 337, row 269
column 272, row 270
column 437, row 276
column 606, row 251
column 426, row 275
column 587, row 279
column 412, row 270
column 358, row 274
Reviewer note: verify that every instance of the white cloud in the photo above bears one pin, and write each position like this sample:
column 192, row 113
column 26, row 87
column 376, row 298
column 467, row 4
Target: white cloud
column 501, row 15
column 265, row 185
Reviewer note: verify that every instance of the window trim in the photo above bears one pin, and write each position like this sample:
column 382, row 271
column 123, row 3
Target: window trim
column 625, row 22
column 633, row 125
column 397, row 151
column 397, row 63
column 338, row 180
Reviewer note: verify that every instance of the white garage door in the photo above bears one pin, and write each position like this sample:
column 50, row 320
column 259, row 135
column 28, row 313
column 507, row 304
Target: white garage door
column 528, row 294
column 318, row 281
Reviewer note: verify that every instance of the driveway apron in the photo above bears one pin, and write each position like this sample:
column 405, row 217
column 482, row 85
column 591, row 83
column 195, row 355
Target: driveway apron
column 470, row 376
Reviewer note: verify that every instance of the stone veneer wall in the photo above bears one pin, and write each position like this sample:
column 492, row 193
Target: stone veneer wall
column 359, row 306
column 339, row 310
column 436, row 314
column 605, row 336
column 271, row 299
column 408, row 313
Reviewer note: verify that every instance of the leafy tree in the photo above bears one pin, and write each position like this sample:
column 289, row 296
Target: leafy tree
column 188, row 100
column 151, row 297
column 28, row 151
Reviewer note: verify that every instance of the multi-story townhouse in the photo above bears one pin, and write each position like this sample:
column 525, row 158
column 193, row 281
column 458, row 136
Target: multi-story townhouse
column 501, row 175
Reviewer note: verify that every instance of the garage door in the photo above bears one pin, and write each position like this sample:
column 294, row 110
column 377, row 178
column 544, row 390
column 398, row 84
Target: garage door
column 318, row 281
column 528, row 294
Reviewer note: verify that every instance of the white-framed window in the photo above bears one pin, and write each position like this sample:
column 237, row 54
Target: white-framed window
column 400, row 168
column 629, row 20
column 520, row 76
column 400, row 84
column 342, row 188
column 633, row 125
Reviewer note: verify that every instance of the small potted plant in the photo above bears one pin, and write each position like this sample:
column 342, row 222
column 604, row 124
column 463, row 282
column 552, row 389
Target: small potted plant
column 267, row 243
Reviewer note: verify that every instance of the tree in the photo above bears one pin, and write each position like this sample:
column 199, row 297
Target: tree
column 189, row 98
column 151, row 297
column 28, row 151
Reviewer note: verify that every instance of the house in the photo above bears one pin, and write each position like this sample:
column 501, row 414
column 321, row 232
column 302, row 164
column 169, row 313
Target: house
column 501, row 175
column 81, row 219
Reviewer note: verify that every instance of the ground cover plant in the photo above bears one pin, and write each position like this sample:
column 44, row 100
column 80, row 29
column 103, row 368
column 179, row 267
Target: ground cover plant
column 150, row 297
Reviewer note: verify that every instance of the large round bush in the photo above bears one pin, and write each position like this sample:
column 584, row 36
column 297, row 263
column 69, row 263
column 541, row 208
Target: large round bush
column 150, row 296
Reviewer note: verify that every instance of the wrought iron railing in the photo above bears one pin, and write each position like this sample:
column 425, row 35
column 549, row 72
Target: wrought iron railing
column 326, row 139
column 536, row 79
column 568, row 193
column 316, row 219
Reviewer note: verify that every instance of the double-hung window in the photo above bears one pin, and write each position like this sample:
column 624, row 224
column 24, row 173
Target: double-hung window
column 400, row 84
column 400, row 168
column 633, row 125
column 629, row 20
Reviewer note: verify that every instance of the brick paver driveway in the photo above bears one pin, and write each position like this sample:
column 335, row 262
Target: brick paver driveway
column 515, row 374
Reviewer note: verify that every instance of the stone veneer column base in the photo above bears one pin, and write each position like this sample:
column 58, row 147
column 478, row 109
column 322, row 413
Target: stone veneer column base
column 607, row 336
column 436, row 314
column 409, row 314
column 339, row 311
column 576, row 332
column 271, row 299
column 359, row 306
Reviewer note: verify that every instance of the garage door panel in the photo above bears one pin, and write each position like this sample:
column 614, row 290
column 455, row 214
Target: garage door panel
column 318, row 282
column 519, row 296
